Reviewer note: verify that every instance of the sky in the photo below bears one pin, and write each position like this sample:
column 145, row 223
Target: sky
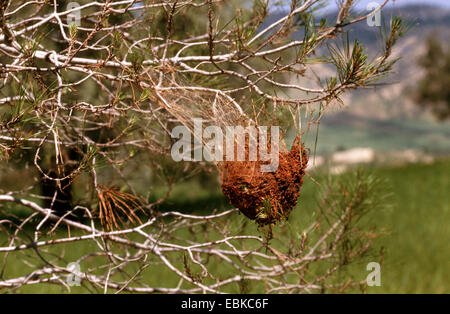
column 362, row 4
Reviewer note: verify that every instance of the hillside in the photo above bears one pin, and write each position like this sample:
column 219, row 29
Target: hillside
column 386, row 117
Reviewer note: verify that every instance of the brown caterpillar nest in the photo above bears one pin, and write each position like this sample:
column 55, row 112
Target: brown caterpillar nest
column 266, row 197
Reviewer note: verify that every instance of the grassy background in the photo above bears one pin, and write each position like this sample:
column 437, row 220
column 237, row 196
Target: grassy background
column 415, row 232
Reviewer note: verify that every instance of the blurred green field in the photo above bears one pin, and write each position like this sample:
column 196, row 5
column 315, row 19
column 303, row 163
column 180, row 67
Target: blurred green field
column 418, row 250
column 415, row 232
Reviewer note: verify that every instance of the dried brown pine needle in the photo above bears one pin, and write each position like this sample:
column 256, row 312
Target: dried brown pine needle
column 116, row 207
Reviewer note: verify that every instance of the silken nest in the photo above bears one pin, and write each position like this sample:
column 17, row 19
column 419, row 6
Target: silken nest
column 265, row 197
